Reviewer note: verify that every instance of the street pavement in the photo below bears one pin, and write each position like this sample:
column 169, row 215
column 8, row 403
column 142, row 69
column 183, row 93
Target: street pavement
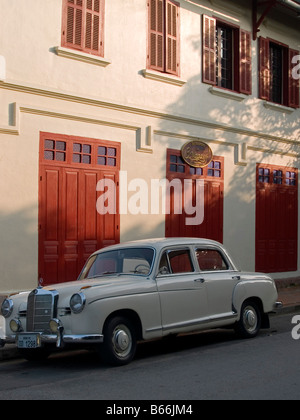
column 288, row 295
column 212, row 365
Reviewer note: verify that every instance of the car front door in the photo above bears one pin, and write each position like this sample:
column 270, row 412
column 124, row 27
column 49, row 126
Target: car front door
column 181, row 290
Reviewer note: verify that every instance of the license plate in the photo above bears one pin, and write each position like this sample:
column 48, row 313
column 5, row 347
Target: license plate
column 28, row 341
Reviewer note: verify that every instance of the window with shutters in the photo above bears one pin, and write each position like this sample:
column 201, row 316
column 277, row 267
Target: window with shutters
column 163, row 36
column 226, row 56
column 83, row 26
column 276, row 82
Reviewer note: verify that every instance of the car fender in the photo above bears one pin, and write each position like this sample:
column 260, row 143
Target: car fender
column 238, row 297
column 145, row 306
column 262, row 289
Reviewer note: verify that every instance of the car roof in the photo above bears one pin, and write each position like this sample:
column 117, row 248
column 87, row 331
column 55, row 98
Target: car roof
column 159, row 243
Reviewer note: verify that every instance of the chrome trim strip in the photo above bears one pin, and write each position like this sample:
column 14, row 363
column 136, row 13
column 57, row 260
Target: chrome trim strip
column 84, row 338
column 199, row 322
column 55, row 338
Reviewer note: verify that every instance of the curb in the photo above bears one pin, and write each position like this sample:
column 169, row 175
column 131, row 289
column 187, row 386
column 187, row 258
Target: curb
column 288, row 309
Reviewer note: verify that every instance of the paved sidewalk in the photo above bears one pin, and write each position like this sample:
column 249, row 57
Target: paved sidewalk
column 288, row 294
column 290, row 297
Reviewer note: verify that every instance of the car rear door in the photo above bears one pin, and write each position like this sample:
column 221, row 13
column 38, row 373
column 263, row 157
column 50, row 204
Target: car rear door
column 220, row 279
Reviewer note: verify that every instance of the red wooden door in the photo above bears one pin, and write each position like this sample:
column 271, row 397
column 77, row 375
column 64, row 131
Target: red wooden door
column 276, row 219
column 213, row 177
column 70, row 228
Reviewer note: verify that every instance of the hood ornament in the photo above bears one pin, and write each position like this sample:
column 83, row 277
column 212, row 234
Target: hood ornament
column 41, row 281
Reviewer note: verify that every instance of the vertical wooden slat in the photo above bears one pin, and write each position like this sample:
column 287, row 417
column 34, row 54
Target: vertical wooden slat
column 70, row 25
column 96, row 32
column 78, row 28
column 88, row 30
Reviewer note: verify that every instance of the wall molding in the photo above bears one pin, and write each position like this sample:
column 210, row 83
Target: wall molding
column 240, row 150
column 270, row 144
column 227, row 94
column 163, row 77
column 143, row 134
column 80, row 56
column 182, row 119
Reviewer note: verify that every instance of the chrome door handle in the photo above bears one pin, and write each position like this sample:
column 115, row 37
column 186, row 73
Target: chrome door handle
column 236, row 278
column 199, row 280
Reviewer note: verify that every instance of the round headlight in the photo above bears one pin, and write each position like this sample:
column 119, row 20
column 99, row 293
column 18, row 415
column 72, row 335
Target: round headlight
column 15, row 325
column 7, row 308
column 77, row 302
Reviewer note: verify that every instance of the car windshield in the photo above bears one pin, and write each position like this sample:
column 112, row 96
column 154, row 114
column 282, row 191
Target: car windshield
column 136, row 261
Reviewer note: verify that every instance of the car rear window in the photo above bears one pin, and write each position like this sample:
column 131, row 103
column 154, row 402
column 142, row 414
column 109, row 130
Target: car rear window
column 210, row 260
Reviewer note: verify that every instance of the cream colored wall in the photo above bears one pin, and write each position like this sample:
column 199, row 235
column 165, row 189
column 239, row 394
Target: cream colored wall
column 43, row 91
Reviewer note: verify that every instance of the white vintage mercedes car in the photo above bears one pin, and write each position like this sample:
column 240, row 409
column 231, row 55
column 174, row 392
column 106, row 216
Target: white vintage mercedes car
column 140, row 291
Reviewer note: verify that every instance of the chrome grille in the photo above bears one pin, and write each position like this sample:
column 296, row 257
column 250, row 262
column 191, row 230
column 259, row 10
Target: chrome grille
column 41, row 307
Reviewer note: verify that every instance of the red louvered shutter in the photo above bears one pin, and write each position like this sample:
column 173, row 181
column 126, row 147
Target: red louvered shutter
column 293, row 100
column 172, row 42
column 156, row 35
column 209, row 50
column 93, row 42
column 73, row 28
column 264, row 69
column 245, row 63
column 83, row 24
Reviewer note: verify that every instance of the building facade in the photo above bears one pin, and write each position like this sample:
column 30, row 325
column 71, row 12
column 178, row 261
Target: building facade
column 97, row 99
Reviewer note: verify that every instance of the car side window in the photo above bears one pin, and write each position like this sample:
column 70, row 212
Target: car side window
column 210, row 260
column 175, row 262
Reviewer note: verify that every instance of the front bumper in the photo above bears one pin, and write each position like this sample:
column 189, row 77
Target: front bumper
column 59, row 339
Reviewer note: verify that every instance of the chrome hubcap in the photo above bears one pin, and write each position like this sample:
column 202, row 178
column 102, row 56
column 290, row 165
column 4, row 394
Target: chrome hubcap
column 250, row 319
column 121, row 340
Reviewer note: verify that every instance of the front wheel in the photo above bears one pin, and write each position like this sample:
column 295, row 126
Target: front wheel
column 250, row 320
column 119, row 344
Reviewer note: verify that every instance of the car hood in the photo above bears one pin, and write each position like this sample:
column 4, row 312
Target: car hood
column 101, row 286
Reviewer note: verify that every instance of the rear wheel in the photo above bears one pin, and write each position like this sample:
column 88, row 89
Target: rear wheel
column 119, row 344
column 250, row 320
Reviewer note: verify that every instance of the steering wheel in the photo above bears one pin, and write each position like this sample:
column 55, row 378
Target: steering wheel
column 144, row 269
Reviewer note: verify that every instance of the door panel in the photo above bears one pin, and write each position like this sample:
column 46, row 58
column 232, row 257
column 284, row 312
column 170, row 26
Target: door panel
column 213, row 177
column 220, row 281
column 181, row 291
column 276, row 218
column 219, row 289
column 70, row 228
column 183, row 301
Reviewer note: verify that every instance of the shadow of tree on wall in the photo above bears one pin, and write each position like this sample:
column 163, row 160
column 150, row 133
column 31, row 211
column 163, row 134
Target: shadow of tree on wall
column 20, row 250
column 228, row 126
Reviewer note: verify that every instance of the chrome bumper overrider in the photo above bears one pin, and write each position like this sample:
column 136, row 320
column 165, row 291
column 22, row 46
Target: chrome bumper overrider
column 59, row 339
column 278, row 305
